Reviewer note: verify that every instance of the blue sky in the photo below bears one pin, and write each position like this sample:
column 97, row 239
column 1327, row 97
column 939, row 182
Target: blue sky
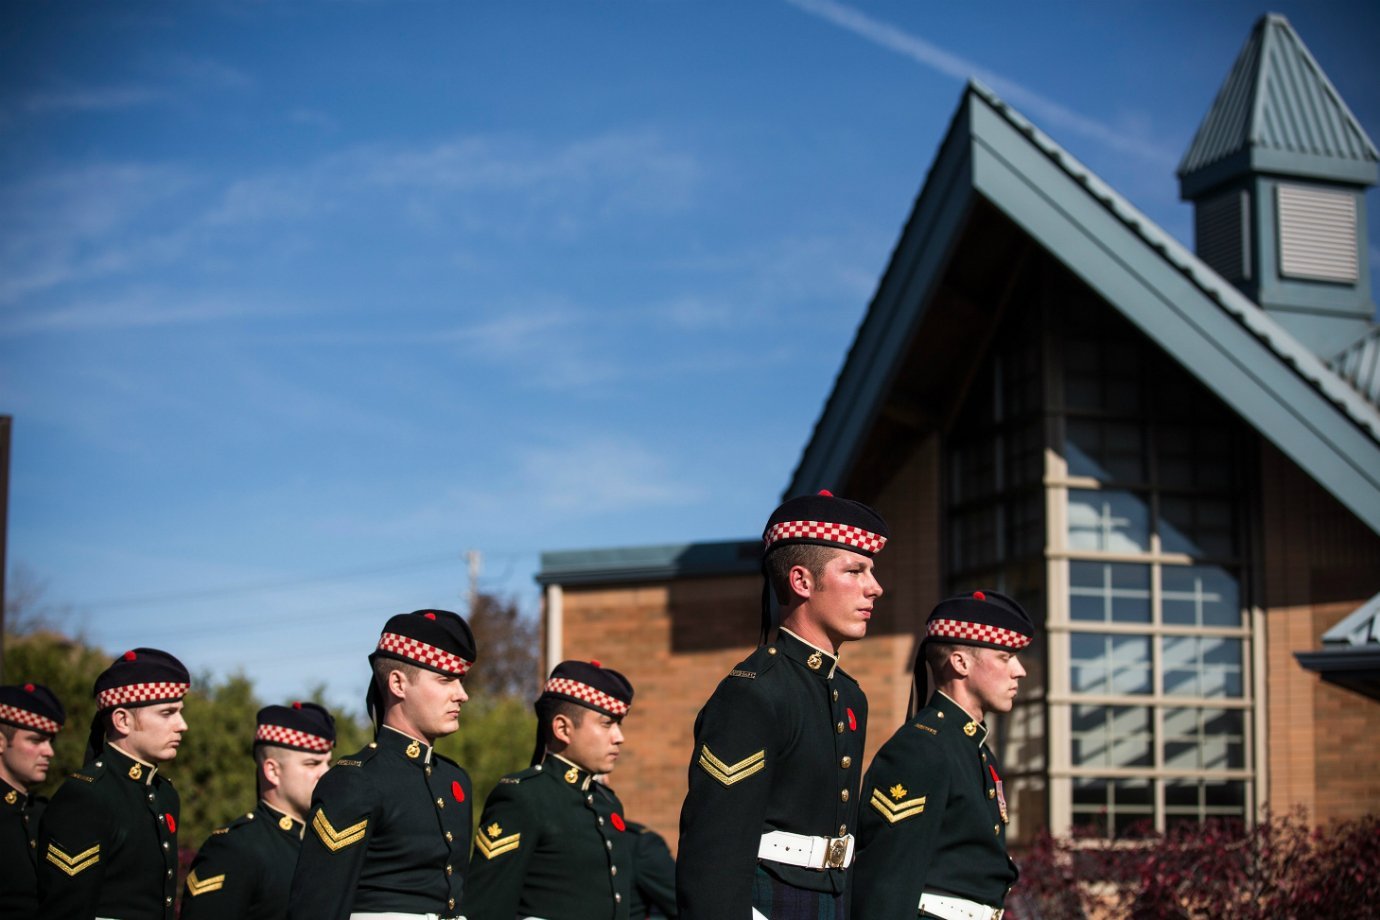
column 299, row 301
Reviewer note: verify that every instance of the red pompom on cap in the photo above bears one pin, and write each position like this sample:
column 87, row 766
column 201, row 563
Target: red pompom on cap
column 826, row 493
column 595, row 663
column 297, row 705
column 28, row 688
column 429, row 616
column 129, row 656
column 979, row 596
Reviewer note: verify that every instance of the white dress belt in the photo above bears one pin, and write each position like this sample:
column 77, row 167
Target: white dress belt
column 808, row 852
column 949, row 907
column 395, row 915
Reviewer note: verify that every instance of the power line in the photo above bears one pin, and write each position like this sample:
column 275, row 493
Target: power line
column 149, row 600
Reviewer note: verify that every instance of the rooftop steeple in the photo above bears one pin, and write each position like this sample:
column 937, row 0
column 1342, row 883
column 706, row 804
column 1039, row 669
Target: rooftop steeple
column 1277, row 173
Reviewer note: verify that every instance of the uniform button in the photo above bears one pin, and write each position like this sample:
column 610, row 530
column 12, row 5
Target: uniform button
column 449, row 870
column 589, row 799
column 440, row 803
column 169, row 873
column 165, row 844
column 844, row 795
column 428, row 769
column 150, row 796
column 608, row 844
column 613, row 870
column 449, row 837
column 846, row 762
column 836, row 696
column 984, row 758
column 991, row 793
column 839, row 728
column 601, row 821
column 843, row 830
column 617, row 898
column 168, row 901
column 939, row 714
column 771, row 650
column 996, row 828
column 451, row 904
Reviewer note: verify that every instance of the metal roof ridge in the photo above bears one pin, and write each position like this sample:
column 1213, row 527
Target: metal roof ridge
column 1358, row 628
column 1250, row 315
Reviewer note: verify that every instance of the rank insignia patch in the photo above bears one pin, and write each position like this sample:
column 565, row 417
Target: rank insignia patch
column 337, row 839
column 497, row 846
column 898, row 792
column 899, row 810
column 74, row 864
column 728, row 774
column 196, row 886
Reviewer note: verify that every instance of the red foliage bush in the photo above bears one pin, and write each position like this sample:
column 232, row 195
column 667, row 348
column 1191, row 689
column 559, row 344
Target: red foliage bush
column 1280, row 868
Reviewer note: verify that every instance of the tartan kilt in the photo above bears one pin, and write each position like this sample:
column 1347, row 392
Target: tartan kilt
column 776, row 900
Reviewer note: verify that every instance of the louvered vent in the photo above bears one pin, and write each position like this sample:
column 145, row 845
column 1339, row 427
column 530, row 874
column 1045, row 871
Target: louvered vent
column 1317, row 234
column 1219, row 229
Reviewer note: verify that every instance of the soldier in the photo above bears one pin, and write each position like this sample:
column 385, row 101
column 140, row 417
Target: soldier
column 654, row 875
column 30, row 715
column 390, row 825
column 766, row 828
column 107, row 846
column 933, row 836
column 244, row 871
column 552, row 842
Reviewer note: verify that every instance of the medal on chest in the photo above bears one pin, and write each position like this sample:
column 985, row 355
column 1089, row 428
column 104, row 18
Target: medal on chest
column 1001, row 796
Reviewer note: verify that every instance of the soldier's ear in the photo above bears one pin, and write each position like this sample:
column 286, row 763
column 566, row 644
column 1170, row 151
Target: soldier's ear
column 273, row 771
column 562, row 727
column 121, row 720
column 801, row 581
column 397, row 683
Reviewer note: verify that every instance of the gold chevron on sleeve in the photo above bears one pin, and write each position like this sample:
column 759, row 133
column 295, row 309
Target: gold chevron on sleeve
column 196, row 886
column 896, row 811
column 492, row 848
column 73, row 864
column 337, row 839
column 728, row 774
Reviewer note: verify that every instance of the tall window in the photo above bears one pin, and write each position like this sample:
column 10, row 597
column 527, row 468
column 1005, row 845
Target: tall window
column 1152, row 690
column 1096, row 481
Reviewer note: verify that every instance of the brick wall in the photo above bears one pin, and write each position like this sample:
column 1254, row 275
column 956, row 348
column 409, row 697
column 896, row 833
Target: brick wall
column 1319, row 564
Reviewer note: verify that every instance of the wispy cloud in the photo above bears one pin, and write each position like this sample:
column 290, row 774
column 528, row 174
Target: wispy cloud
column 92, row 99
column 600, row 474
column 140, row 309
column 1048, row 113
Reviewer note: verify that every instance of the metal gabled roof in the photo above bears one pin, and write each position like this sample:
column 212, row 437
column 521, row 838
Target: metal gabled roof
column 1277, row 110
column 650, row 563
column 1230, row 343
column 1359, row 365
column 1360, row 627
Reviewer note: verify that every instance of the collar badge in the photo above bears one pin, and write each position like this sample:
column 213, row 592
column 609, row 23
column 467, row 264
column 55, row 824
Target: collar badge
column 970, row 729
column 136, row 772
column 814, row 661
column 414, row 750
column 572, row 775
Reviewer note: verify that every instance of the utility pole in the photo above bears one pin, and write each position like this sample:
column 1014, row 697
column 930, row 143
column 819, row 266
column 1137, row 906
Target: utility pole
column 473, row 558
column 5, row 423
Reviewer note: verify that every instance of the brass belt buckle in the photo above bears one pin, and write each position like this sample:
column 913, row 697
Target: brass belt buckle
column 838, row 851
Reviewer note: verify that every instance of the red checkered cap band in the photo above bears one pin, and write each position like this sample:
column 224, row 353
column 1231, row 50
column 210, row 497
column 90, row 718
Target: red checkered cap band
column 587, row 694
column 429, row 655
column 978, row 632
column 23, row 717
column 291, row 737
column 843, row 534
column 131, row 694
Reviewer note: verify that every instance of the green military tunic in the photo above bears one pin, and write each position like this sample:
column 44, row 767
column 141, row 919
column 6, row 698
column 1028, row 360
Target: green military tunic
column 778, row 746
column 935, row 817
column 244, row 870
column 389, row 832
column 654, row 875
column 19, row 817
column 107, row 846
column 551, row 843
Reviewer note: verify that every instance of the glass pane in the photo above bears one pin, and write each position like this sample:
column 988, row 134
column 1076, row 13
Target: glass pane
column 1108, row 520
column 974, row 470
column 1204, row 739
column 1109, row 592
column 1197, row 526
column 975, row 537
column 1194, row 456
column 1199, row 595
column 1105, row 663
column 1192, row 801
column 1114, row 807
column 1111, row 736
column 1108, row 451
column 1202, row 666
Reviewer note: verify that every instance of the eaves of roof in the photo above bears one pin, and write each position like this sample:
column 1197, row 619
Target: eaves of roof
column 1213, row 330
column 650, row 563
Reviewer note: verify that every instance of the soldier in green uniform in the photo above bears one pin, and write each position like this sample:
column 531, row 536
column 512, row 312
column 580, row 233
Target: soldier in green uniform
column 767, row 825
column 932, row 840
column 654, row 875
column 107, row 846
column 390, row 826
column 30, row 716
column 552, row 842
column 244, row 870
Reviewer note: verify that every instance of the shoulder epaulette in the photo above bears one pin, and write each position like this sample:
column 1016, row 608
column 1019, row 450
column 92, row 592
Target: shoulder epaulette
column 359, row 758
column 84, row 777
column 929, row 721
column 756, row 664
column 513, row 779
